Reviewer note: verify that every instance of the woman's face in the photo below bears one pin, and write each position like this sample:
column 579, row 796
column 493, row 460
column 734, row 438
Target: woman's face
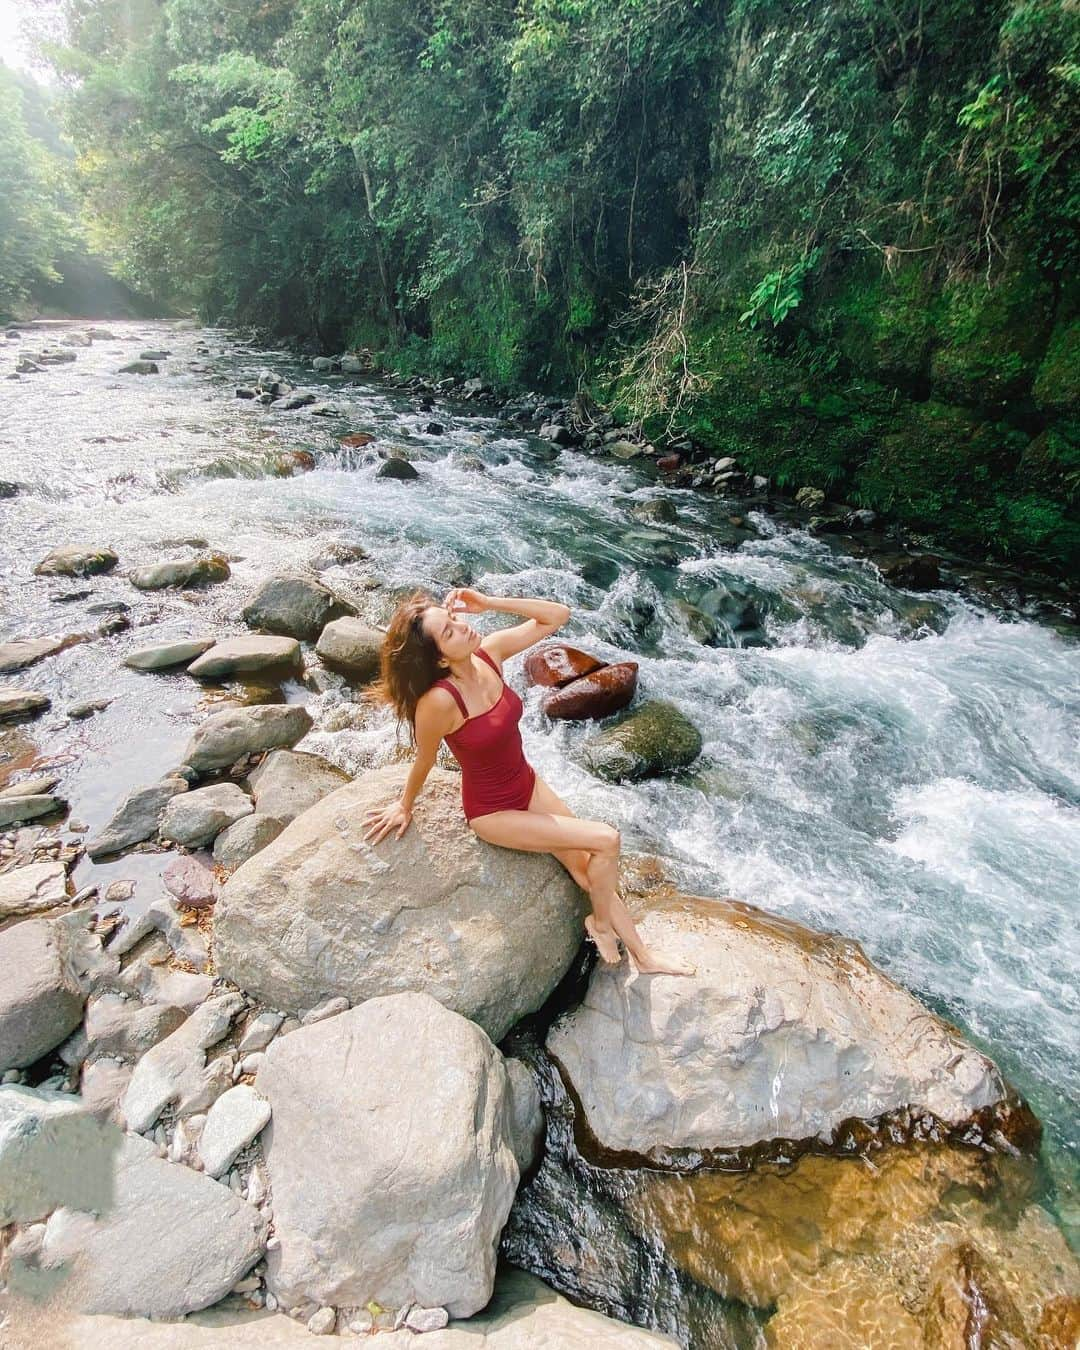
column 454, row 636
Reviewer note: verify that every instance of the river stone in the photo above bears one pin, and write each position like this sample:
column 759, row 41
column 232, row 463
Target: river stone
column 21, row 703
column 319, row 913
column 408, row 1205
column 175, row 1070
column 73, row 561
column 782, row 1033
column 225, row 736
column 191, row 882
column 38, row 886
column 231, row 1124
column 171, row 1242
column 244, row 839
column 239, row 655
column 27, row 651
column 294, row 606
column 598, row 695
column 659, row 510
column 198, row 817
column 287, row 782
column 124, row 1029
column 181, row 572
column 41, row 995
column 137, row 818
column 139, row 367
column 166, row 654
column 38, row 786
column 555, row 664
column 15, row 809
column 352, row 644
column 52, row 1152
column 102, row 1085
column 654, row 739
column 397, row 468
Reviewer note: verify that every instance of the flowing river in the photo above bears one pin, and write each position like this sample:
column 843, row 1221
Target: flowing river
column 903, row 769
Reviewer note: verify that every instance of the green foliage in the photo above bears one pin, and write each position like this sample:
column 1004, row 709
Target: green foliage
column 778, row 293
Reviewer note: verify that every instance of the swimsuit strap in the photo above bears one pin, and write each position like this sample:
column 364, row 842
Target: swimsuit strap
column 480, row 652
column 447, row 684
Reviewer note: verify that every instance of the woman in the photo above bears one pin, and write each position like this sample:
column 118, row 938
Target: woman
column 446, row 682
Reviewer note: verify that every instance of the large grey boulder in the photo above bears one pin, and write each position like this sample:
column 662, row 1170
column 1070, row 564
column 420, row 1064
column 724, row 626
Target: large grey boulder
column 487, row 931
column 170, row 1242
column 295, row 606
column 243, row 840
column 41, row 993
column 75, row 561
column 353, row 645
column 287, row 782
column 782, row 1033
column 225, row 736
column 137, row 818
column 38, row 886
column 198, row 817
column 408, row 1205
column 243, row 655
column 16, row 809
column 164, row 655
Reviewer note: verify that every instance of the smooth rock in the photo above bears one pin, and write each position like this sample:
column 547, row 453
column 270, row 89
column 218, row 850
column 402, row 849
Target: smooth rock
column 175, row 1069
column 38, row 886
column 123, row 1029
column 654, row 739
column 16, row 809
column 244, row 839
column 225, row 736
column 231, row 1124
column 74, row 561
column 782, row 1033
column 41, row 994
column 287, row 782
column 181, row 572
column 27, row 652
column 399, row 469
column 149, row 976
column 555, row 664
column 600, row 694
column 137, row 818
column 319, row 913
column 353, row 645
column 240, row 655
column 190, row 882
column 21, row 703
column 197, row 817
column 140, row 367
column 170, row 1243
column 38, row 786
column 408, row 1205
column 101, row 1087
column 166, row 654
column 260, row 1031
column 295, row 606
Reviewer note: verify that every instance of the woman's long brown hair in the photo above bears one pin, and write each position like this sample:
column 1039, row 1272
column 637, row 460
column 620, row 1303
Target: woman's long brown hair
column 410, row 662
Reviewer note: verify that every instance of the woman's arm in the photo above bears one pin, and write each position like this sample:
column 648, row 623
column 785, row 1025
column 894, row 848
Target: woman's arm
column 434, row 714
column 542, row 618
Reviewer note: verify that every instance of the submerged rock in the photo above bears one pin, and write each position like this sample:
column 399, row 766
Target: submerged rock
column 654, row 739
column 21, row 703
column 75, row 561
column 139, row 367
column 782, row 1033
column 321, row 913
column 137, row 818
column 182, row 572
column 408, row 1205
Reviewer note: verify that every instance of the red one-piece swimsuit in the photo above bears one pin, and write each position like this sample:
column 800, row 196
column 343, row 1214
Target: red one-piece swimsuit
column 495, row 775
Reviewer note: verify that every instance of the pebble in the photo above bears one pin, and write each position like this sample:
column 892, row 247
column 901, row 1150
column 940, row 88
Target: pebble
column 260, row 1031
column 271, row 1303
column 323, row 1322
column 328, row 1008
column 427, row 1319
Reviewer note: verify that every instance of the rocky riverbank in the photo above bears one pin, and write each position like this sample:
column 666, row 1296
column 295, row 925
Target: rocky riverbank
column 242, row 1067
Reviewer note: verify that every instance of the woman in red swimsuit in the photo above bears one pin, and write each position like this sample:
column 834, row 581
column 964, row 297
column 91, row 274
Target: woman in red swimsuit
column 446, row 682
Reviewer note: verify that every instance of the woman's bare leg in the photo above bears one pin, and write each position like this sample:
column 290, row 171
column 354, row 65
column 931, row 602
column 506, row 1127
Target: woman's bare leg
column 538, row 831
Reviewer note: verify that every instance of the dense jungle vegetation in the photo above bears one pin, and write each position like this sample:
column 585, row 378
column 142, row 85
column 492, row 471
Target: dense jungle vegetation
column 836, row 238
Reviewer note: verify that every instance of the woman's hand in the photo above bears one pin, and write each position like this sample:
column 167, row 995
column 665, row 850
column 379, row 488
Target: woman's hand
column 463, row 600
column 382, row 820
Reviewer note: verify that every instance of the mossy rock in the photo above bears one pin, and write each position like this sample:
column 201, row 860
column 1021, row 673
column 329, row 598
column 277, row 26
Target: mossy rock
column 992, row 340
column 654, row 739
column 1057, row 384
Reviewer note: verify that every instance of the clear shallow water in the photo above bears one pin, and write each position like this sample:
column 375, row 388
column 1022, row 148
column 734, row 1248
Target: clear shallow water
column 903, row 769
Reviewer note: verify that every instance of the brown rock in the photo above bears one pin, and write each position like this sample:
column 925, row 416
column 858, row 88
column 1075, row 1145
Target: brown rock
column 357, row 439
column 556, row 664
column 603, row 692
column 191, row 882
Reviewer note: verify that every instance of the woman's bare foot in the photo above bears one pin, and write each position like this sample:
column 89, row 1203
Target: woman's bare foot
column 652, row 964
column 604, row 940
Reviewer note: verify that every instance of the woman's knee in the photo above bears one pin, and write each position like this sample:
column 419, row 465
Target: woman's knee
column 609, row 841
